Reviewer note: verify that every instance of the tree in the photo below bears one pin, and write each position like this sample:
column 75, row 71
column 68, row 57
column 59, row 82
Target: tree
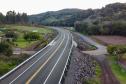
column 31, row 36
column 18, row 18
column 24, row 18
column 11, row 17
column 2, row 18
column 11, row 34
column 6, row 49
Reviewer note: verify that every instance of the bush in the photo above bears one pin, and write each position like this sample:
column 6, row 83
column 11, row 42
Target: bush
column 6, row 49
column 11, row 34
column 8, row 52
column 111, row 49
column 116, row 49
column 31, row 36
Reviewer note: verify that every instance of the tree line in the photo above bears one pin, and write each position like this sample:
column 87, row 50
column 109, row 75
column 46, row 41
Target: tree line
column 109, row 20
column 12, row 17
column 102, row 28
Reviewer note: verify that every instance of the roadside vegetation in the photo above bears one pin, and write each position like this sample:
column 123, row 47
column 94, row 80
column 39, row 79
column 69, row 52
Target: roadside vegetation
column 117, row 54
column 24, row 38
column 118, row 71
column 16, row 35
column 8, row 63
column 97, row 78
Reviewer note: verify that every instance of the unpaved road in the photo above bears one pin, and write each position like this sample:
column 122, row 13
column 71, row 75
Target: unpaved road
column 101, row 49
column 100, row 54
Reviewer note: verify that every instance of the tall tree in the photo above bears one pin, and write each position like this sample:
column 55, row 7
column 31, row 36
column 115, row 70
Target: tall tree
column 11, row 17
column 2, row 18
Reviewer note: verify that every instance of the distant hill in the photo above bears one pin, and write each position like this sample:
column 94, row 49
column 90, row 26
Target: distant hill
column 67, row 17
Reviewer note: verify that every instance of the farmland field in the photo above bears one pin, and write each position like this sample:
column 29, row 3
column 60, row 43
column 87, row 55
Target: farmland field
column 111, row 40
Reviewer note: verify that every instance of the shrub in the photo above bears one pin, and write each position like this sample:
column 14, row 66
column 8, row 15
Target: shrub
column 116, row 49
column 11, row 34
column 5, row 48
column 111, row 49
column 8, row 52
column 31, row 36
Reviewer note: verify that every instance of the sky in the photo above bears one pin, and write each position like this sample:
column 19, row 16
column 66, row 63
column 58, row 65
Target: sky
column 39, row 6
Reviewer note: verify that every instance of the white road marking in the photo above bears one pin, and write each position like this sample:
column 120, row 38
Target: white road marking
column 30, row 79
column 29, row 67
column 23, row 63
column 66, row 61
column 52, row 43
column 57, row 61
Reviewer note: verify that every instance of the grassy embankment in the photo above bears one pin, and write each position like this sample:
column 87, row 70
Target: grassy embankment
column 119, row 72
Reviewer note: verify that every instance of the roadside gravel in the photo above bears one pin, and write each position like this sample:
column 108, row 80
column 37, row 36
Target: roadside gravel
column 82, row 67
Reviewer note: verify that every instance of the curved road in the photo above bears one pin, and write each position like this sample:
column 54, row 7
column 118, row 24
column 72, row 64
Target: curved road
column 46, row 66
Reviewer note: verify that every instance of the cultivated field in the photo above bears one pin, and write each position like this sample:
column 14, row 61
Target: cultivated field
column 108, row 40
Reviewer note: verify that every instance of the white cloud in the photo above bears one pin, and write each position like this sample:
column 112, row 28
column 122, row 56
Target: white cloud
column 38, row 6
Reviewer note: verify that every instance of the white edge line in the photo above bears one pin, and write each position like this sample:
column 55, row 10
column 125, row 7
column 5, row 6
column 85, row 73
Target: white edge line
column 66, row 62
column 29, row 67
column 14, row 69
column 56, row 63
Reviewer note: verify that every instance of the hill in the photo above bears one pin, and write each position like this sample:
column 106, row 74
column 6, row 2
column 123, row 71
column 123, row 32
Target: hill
column 67, row 17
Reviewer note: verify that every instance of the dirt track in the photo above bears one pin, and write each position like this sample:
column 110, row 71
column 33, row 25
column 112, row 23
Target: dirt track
column 107, row 76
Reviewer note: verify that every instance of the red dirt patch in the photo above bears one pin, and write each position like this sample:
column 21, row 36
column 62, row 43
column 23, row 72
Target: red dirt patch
column 115, row 40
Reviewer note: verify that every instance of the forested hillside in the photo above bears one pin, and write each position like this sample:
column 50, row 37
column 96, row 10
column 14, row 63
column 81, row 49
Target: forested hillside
column 110, row 19
column 65, row 17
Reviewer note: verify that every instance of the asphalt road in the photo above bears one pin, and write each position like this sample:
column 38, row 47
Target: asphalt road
column 47, row 66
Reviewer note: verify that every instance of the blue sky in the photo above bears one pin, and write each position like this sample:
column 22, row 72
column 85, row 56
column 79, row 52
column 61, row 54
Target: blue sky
column 39, row 6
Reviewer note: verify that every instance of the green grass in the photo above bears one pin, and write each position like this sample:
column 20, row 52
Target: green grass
column 28, row 28
column 119, row 72
column 97, row 78
column 5, row 66
column 21, row 43
column 8, row 63
column 24, row 44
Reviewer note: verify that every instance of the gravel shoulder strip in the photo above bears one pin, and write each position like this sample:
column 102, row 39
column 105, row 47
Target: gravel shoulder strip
column 81, row 67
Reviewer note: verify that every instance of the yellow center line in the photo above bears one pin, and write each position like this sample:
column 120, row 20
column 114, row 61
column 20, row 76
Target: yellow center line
column 30, row 79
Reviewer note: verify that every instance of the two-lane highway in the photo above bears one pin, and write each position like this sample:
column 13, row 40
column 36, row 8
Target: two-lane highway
column 45, row 67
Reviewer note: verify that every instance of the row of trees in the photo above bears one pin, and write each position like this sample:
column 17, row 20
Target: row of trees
column 12, row 17
column 104, row 28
